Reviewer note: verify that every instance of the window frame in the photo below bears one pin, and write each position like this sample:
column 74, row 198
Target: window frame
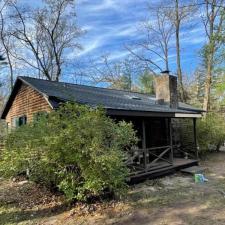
column 19, row 121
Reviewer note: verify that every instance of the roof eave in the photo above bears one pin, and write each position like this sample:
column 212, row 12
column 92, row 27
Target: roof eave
column 10, row 99
column 122, row 112
column 192, row 110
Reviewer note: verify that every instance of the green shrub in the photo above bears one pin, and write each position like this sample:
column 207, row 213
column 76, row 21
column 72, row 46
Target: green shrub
column 3, row 129
column 211, row 132
column 77, row 149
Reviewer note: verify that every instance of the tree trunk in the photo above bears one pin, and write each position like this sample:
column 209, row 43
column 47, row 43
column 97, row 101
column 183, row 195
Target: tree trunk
column 179, row 71
column 208, row 82
column 209, row 56
column 166, row 58
column 197, row 85
column 11, row 72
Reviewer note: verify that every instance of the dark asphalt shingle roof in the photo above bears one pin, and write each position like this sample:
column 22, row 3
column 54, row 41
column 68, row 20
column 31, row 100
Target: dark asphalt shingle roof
column 107, row 98
column 96, row 96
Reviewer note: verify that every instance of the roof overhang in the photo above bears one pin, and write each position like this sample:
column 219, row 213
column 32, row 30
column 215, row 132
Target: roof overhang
column 121, row 112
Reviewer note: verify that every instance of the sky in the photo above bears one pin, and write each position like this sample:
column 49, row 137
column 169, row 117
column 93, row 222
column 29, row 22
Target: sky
column 112, row 24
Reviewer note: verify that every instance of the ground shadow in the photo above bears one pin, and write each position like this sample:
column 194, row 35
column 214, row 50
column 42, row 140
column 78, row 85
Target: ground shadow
column 27, row 215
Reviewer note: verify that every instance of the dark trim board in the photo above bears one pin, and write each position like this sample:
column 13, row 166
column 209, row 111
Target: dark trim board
column 165, row 114
column 117, row 112
column 178, row 165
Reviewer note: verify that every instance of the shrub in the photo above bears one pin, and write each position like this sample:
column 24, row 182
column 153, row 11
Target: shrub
column 3, row 129
column 77, row 149
column 211, row 132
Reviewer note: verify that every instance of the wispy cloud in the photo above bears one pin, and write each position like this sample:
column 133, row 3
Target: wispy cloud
column 118, row 55
column 98, row 6
column 195, row 40
column 103, row 5
column 111, row 24
column 129, row 29
column 88, row 47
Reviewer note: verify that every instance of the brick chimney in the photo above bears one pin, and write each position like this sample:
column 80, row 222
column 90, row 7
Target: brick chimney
column 166, row 89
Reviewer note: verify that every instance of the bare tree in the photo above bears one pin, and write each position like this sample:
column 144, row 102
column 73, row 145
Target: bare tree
column 119, row 75
column 213, row 20
column 45, row 34
column 178, row 15
column 6, row 43
column 158, row 31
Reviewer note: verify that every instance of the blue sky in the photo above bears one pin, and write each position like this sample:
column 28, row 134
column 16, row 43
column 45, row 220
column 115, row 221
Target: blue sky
column 112, row 24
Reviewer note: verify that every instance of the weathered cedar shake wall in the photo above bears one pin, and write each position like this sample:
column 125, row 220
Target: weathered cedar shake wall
column 27, row 102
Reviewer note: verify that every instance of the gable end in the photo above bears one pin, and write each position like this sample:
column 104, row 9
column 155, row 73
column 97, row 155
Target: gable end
column 24, row 100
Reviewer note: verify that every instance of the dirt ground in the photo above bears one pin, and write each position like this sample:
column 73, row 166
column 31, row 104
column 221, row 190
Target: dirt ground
column 172, row 200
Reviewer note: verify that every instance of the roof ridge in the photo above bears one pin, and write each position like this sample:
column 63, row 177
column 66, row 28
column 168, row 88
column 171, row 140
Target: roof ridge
column 84, row 85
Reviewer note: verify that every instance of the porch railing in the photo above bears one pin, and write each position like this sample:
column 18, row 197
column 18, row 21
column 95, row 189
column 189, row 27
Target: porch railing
column 149, row 158
column 185, row 154
column 155, row 158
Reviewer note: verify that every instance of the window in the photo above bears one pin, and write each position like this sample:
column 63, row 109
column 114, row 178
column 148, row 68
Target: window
column 19, row 121
column 22, row 120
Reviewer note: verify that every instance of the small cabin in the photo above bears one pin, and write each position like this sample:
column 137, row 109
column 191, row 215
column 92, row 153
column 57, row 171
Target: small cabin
column 166, row 128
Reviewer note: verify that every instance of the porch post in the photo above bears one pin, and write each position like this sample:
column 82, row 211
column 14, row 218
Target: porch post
column 195, row 137
column 171, row 140
column 144, row 143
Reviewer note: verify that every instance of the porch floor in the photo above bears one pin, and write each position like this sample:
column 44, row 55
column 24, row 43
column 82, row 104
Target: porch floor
column 165, row 169
column 180, row 162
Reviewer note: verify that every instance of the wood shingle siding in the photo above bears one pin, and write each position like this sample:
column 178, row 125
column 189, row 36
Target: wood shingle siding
column 27, row 102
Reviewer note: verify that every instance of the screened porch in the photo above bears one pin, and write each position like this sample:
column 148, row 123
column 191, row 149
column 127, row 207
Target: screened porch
column 165, row 145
